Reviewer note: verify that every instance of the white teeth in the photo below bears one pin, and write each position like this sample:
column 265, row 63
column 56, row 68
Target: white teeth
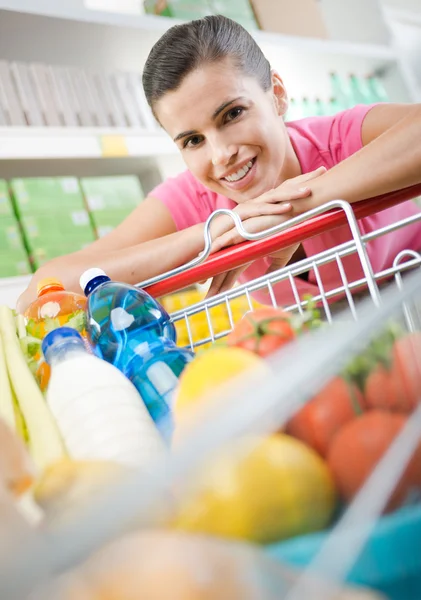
column 241, row 173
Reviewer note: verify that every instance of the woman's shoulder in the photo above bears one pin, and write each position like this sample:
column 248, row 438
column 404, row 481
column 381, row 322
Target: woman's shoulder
column 333, row 137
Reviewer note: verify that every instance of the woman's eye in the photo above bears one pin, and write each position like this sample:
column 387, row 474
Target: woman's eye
column 234, row 113
column 192, row 141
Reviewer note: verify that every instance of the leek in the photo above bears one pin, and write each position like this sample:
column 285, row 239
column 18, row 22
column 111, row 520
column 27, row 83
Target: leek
column 7, row 410
column 45, row 443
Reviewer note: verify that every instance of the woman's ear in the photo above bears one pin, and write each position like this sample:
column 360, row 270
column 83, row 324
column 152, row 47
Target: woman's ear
column 279, row 94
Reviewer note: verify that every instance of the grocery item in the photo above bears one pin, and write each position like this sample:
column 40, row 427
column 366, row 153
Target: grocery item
column 44, row 441
column 97, row 409
column 260, row 490
column 325, row 413
column 130, row 329
column 68, row 485
column 196, row 567
column 155, row 375
column 211, row 371
column 263, row 331
column 122, row 318
column 16, row 468
column 360, row 445
column 53, row 308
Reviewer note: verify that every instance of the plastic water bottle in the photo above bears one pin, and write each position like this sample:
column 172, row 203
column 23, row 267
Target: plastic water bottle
column 122, row 318
column 98, row 411
column 130, row 329
column 155, row 375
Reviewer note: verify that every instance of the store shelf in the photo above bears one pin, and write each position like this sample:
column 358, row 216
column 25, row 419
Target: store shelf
column 11, row 288
column 69, row 10
column 50, row 143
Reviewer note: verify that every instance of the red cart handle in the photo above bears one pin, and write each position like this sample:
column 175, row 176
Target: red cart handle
column 241, row 254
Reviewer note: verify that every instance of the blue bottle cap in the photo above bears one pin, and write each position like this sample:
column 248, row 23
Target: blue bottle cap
column 58, row 337
column 91, row 278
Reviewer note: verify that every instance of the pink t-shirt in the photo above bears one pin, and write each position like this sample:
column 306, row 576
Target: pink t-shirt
column 317, row 141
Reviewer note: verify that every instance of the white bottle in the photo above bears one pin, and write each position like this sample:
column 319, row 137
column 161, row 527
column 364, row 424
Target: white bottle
column 97, row 409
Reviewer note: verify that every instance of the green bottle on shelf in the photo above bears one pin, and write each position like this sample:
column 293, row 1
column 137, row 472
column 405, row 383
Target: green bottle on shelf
column 333, row 107
column 376, row 90
column 359, row 90
column 340, row 91
column 319, row 108
column 294, row 111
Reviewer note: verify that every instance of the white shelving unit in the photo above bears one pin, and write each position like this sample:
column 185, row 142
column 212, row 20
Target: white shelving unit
column 64, row 32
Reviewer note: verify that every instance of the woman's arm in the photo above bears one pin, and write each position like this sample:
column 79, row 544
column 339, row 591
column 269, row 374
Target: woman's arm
column 389, row 160
column 144, row 245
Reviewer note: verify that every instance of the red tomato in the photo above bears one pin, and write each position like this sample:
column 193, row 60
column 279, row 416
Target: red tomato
column 406, row 370
column 398, row 388
column 262, row 331
column 322, row 417
column 360, row 444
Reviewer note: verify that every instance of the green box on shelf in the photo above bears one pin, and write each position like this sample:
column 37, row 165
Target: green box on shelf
column 62, row 226
column 14, row 263
column 238, row 10
column 116, row 193
column 105, row 221
column 10, row 235
column 178, row 9
column 45, row 194
column 6, row 207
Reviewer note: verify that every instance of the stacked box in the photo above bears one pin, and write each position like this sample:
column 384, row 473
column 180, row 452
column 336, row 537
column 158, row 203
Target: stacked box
column 110, row 200
column 53, row 216
column 13, row 256
column 238, row 10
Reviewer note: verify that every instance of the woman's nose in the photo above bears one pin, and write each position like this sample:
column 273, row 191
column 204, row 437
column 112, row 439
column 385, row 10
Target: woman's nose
column 223, row 154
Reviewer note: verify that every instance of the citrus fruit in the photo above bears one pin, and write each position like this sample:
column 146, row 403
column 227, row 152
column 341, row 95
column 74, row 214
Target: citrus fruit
column 261, row 490
column 212, row 369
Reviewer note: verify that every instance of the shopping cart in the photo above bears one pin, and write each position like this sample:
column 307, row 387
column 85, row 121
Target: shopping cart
column 362, row 547
column 201, row 322
column 394, row 570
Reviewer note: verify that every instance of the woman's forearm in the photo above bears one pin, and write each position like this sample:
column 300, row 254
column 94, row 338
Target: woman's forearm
column 132, row 265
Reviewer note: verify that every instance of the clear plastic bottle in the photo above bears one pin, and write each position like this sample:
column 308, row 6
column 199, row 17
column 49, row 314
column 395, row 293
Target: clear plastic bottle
column 98, row 411
column 122, row 318
column 131, row 330
column 54, row 307
column 155, row 375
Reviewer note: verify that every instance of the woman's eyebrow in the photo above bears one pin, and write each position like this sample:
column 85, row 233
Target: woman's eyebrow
column 225, row 105
column 217, row 112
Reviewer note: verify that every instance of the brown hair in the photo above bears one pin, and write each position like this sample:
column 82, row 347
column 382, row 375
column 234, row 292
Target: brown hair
column 183, row 48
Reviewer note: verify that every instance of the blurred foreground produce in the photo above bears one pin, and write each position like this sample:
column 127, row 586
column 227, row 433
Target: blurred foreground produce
column 157, row 565
column 261, row 491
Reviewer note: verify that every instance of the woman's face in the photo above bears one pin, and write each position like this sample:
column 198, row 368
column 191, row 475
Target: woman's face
column 230, row 131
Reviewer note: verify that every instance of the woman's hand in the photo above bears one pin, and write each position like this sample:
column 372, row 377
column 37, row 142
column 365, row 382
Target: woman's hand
column 266, row 211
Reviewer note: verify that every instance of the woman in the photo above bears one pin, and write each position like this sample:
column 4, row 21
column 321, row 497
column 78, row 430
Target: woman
column 213, row 91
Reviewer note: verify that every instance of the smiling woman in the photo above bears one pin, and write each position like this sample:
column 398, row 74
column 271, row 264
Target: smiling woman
column 213, row 91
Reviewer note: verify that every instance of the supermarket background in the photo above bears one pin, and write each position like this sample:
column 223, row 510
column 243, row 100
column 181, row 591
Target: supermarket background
column 79, row 148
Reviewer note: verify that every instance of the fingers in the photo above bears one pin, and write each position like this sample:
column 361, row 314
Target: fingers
column 310, row 175
column 248, row 210
column 224, row 282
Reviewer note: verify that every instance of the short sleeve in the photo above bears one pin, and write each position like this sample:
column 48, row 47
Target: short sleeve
column 184, row 198
column 345, row 136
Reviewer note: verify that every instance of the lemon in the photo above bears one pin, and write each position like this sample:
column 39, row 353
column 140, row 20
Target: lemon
column 261, row 491
column 212, row 369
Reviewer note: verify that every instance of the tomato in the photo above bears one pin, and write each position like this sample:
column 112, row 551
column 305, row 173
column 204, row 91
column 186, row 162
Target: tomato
column 397, row 388
column 320, row 419
column 406, row 370
column 358, row 447
column 262, row 331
